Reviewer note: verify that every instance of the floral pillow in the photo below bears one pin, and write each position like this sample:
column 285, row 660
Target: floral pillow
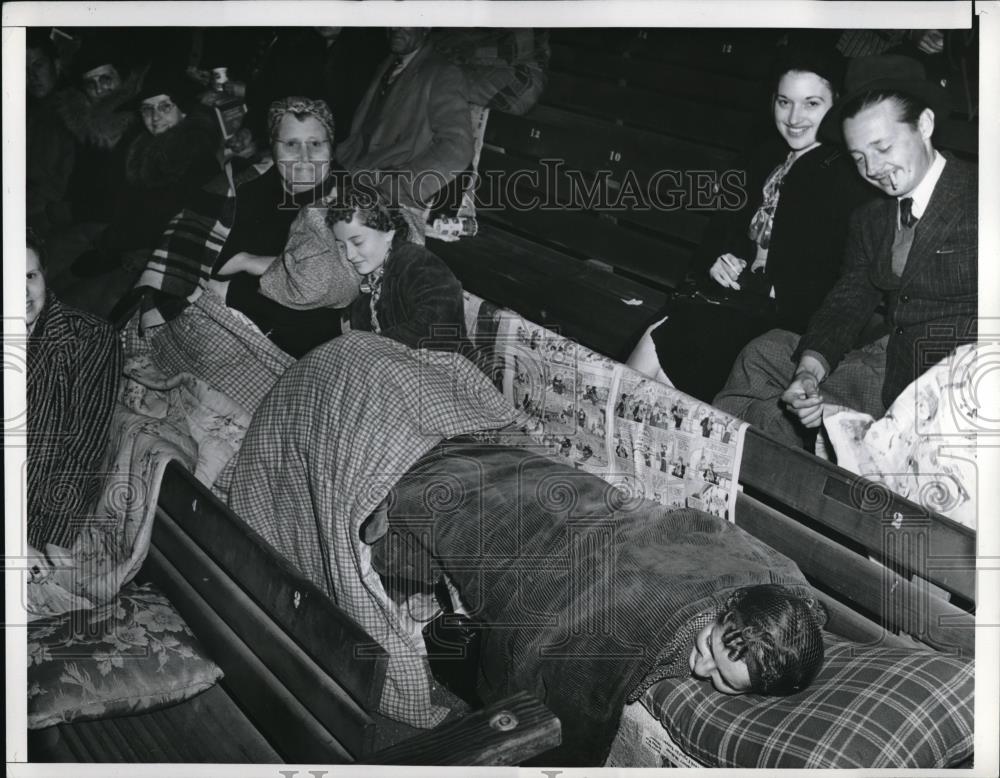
column 131, row 655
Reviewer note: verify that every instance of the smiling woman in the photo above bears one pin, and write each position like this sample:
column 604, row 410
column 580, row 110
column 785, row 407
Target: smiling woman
column 408, row 294
column 770, row 262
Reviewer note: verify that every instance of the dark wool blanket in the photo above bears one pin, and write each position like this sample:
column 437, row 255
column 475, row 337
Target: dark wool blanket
column 580, row 588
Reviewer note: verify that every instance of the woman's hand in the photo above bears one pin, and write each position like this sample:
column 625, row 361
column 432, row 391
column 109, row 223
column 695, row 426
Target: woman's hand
column 726, row 271
column 245, row 262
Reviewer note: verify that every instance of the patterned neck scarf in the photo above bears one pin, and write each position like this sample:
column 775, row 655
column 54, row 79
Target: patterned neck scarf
column 373, row 284
column 760, row 226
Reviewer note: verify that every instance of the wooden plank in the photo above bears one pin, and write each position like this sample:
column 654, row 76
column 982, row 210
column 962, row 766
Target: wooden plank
column 684, row 118
column 506, row 733
column 555, row 290
column 918, row 539
column 207, row 728
column 588, row 142
column 852, row 625
column 746, row 53
column 320, row 693
column 669, row 78
column 324, row 631
column 667, row 210
column 589, row 237
column 895, row 601
column 292, row 730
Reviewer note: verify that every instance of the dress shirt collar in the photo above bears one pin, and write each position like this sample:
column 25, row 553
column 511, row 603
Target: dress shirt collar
column 921, row 194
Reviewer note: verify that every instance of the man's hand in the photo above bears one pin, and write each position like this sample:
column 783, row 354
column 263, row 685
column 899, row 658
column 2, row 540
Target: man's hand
column 802, row 396
column 726, row 271
column 929, row 41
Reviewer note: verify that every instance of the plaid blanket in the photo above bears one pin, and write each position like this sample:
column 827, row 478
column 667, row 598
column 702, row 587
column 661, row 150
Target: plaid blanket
column 324, row 449
column 183, row 260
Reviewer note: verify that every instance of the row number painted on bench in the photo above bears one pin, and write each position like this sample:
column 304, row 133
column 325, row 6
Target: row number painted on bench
column 642, row 35
column 727, row 48
column 615, row 156
column 535, row 133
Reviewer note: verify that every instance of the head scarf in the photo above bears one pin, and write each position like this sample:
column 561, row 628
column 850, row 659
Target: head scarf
column 300, row 105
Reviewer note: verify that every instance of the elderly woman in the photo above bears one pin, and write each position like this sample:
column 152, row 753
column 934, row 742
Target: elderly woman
column 233, row 232
column 408, row 294
column 74, row 363
column 771, row 262
column 164, row 166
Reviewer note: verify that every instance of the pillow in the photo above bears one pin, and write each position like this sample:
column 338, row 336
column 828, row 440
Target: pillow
column 868, row 708
column 132, row 655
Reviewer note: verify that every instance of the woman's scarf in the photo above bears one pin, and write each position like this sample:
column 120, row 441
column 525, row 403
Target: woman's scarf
column 763, row 220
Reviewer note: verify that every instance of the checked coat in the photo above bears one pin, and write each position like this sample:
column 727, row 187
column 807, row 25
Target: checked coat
column 932, row 308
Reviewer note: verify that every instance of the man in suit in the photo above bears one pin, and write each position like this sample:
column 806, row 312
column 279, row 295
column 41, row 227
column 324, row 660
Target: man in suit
column 413, row 121
column 915, row 251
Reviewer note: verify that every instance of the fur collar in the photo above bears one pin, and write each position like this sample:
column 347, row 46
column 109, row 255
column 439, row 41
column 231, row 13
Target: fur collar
column 102, row 123
column 160, row 160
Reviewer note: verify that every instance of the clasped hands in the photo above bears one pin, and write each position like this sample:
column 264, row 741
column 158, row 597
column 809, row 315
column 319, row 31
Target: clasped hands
column 802, row 396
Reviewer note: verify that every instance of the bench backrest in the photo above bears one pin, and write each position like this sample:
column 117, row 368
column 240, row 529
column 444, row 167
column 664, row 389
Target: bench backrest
column 305, row 672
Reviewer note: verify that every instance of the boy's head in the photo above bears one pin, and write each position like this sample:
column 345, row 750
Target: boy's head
column 766, row 640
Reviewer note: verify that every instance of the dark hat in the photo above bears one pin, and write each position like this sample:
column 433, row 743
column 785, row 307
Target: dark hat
column 825, row 62
column 163, row 81
column 884, row 72
column 101, row 48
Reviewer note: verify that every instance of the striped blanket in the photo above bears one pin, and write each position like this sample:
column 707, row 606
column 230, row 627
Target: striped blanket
column 325, row 447
column 192, row 241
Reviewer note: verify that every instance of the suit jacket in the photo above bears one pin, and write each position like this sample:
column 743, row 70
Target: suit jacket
column 932, row 308
column 424, row 127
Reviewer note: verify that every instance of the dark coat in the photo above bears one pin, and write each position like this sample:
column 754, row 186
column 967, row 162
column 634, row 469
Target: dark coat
column 818, row 195
column 933, row 307
column 698, row 343
column 421, row 299
column 424, row 126
column 162, row 172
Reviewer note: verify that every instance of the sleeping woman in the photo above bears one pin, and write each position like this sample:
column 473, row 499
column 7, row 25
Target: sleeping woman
column 587, row 595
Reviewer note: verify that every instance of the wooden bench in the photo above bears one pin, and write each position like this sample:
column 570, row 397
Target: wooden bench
column 302, row 680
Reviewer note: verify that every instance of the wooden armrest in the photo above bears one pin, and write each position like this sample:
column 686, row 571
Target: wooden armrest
column 506, row 733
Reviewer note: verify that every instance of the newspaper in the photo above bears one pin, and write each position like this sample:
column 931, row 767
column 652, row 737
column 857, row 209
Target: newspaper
column 600, row 416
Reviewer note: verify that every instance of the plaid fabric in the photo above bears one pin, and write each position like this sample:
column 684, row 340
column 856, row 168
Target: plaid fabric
column 340, row 427
column 221, row 347
column 868, row 708
column 183, row 260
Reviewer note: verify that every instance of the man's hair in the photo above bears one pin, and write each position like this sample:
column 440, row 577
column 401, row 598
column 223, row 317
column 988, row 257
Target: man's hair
column 776, row 633
column 372, row 208
column 908, row 107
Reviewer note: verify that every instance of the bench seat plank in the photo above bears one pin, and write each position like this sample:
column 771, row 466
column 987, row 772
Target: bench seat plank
column 207, row 728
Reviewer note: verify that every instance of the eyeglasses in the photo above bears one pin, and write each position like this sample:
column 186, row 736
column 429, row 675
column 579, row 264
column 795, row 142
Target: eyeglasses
column 162, row 108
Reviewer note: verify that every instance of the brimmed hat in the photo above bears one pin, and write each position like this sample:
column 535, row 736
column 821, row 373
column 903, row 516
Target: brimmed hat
column 884, row 72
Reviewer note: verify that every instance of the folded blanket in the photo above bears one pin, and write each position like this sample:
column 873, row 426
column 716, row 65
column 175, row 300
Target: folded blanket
column 324, row 449
column 924, row 448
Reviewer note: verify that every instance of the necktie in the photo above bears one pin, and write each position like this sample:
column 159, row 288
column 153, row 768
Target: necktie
column 391, row 73
column 906, row 217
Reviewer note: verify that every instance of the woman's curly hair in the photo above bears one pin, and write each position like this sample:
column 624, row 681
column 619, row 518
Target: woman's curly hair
column 777, row 634
column 372, row 208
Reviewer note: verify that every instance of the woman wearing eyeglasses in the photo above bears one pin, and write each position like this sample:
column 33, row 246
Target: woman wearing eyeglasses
column 175, row 154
